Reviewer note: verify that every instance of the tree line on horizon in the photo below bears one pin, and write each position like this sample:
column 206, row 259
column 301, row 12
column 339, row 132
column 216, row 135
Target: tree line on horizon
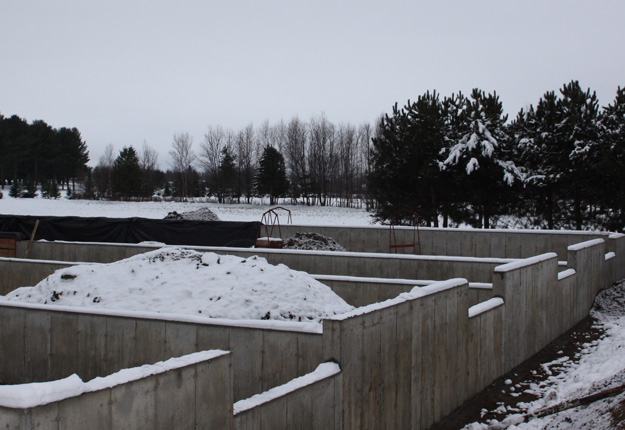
column 560, row 164
column 450, row 160
column 314, row 163
column 36, row 153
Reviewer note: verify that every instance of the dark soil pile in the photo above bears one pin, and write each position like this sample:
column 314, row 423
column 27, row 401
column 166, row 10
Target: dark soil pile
column 202, row 214
column 312, row 242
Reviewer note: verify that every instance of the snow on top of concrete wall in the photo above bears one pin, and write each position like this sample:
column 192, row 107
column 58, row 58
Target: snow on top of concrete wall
column 587, row 244
column 32, row 261
column 24, row 396
column 485, row 306
column 566, row 273
column 526, row 262
column 415, row 293
column 302, row 327
column 323, row 371
column 135, row 373
column 481, row 285
column 609, row 256
column 343, row 278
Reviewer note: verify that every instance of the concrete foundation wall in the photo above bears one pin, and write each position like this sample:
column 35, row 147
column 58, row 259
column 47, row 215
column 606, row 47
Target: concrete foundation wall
column 616, row 244
column 412, row 360
column 316, row 406
column 189, row 397
column 15, row 273
column 46, row 344
column 314, row 262
column 453, row 241
column 376, row 239
column 357, row 291
column 405, row 363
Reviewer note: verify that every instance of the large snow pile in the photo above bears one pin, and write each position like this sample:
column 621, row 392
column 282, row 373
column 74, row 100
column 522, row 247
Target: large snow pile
column 312, row 242
column 176, row 280
column 202, row 214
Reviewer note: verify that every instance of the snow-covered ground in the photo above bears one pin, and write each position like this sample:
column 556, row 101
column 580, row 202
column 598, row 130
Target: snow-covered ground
column 183, row 281
column 301, row 214
column 599, row 367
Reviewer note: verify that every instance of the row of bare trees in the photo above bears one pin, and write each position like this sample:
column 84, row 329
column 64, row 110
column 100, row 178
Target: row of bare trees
column 325, row 162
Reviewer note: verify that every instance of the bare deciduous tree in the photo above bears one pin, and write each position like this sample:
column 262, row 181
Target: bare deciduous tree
column 323, row 157
column 148, row 159
column 182, row 158
column 296, row 154
column 215, row 139
column 245, row 161
column 348, row 158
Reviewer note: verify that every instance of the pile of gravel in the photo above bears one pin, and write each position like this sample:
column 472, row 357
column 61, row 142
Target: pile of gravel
column 202, row 214
column 312, row 242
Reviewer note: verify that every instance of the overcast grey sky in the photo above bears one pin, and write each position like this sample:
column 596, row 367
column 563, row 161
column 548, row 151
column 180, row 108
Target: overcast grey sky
column 125, row 71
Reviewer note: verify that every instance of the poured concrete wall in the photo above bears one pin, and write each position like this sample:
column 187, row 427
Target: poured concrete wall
column 189, row 397
column 495, row 243
column 15, row 273
column 46, row 344
column 452, row 241
column 357, row 291
column 404, row 362
column 314, row 262
column 540, row 305
column 316, row 406
column 412, row 360
column 408, row 362
column 174, row 399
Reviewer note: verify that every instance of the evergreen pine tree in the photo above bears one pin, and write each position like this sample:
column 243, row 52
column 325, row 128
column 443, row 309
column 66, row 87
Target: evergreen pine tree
column 16, row 189
column 126, row 181
column 271, row 177
column 612, row 162
column 482, row 153
column 30, row 191
column 226, row 183
column 405, row 177
column 578, row 147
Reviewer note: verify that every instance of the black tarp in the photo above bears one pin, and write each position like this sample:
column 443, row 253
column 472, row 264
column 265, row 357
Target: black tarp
column 134, row 230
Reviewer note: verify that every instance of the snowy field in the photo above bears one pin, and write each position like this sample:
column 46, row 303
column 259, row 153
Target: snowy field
column 306, row 215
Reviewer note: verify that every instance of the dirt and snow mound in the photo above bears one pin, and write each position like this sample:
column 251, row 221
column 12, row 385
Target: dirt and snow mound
column 610, row 302
column 312, row 242
column 202, row 214
column 176, row 280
